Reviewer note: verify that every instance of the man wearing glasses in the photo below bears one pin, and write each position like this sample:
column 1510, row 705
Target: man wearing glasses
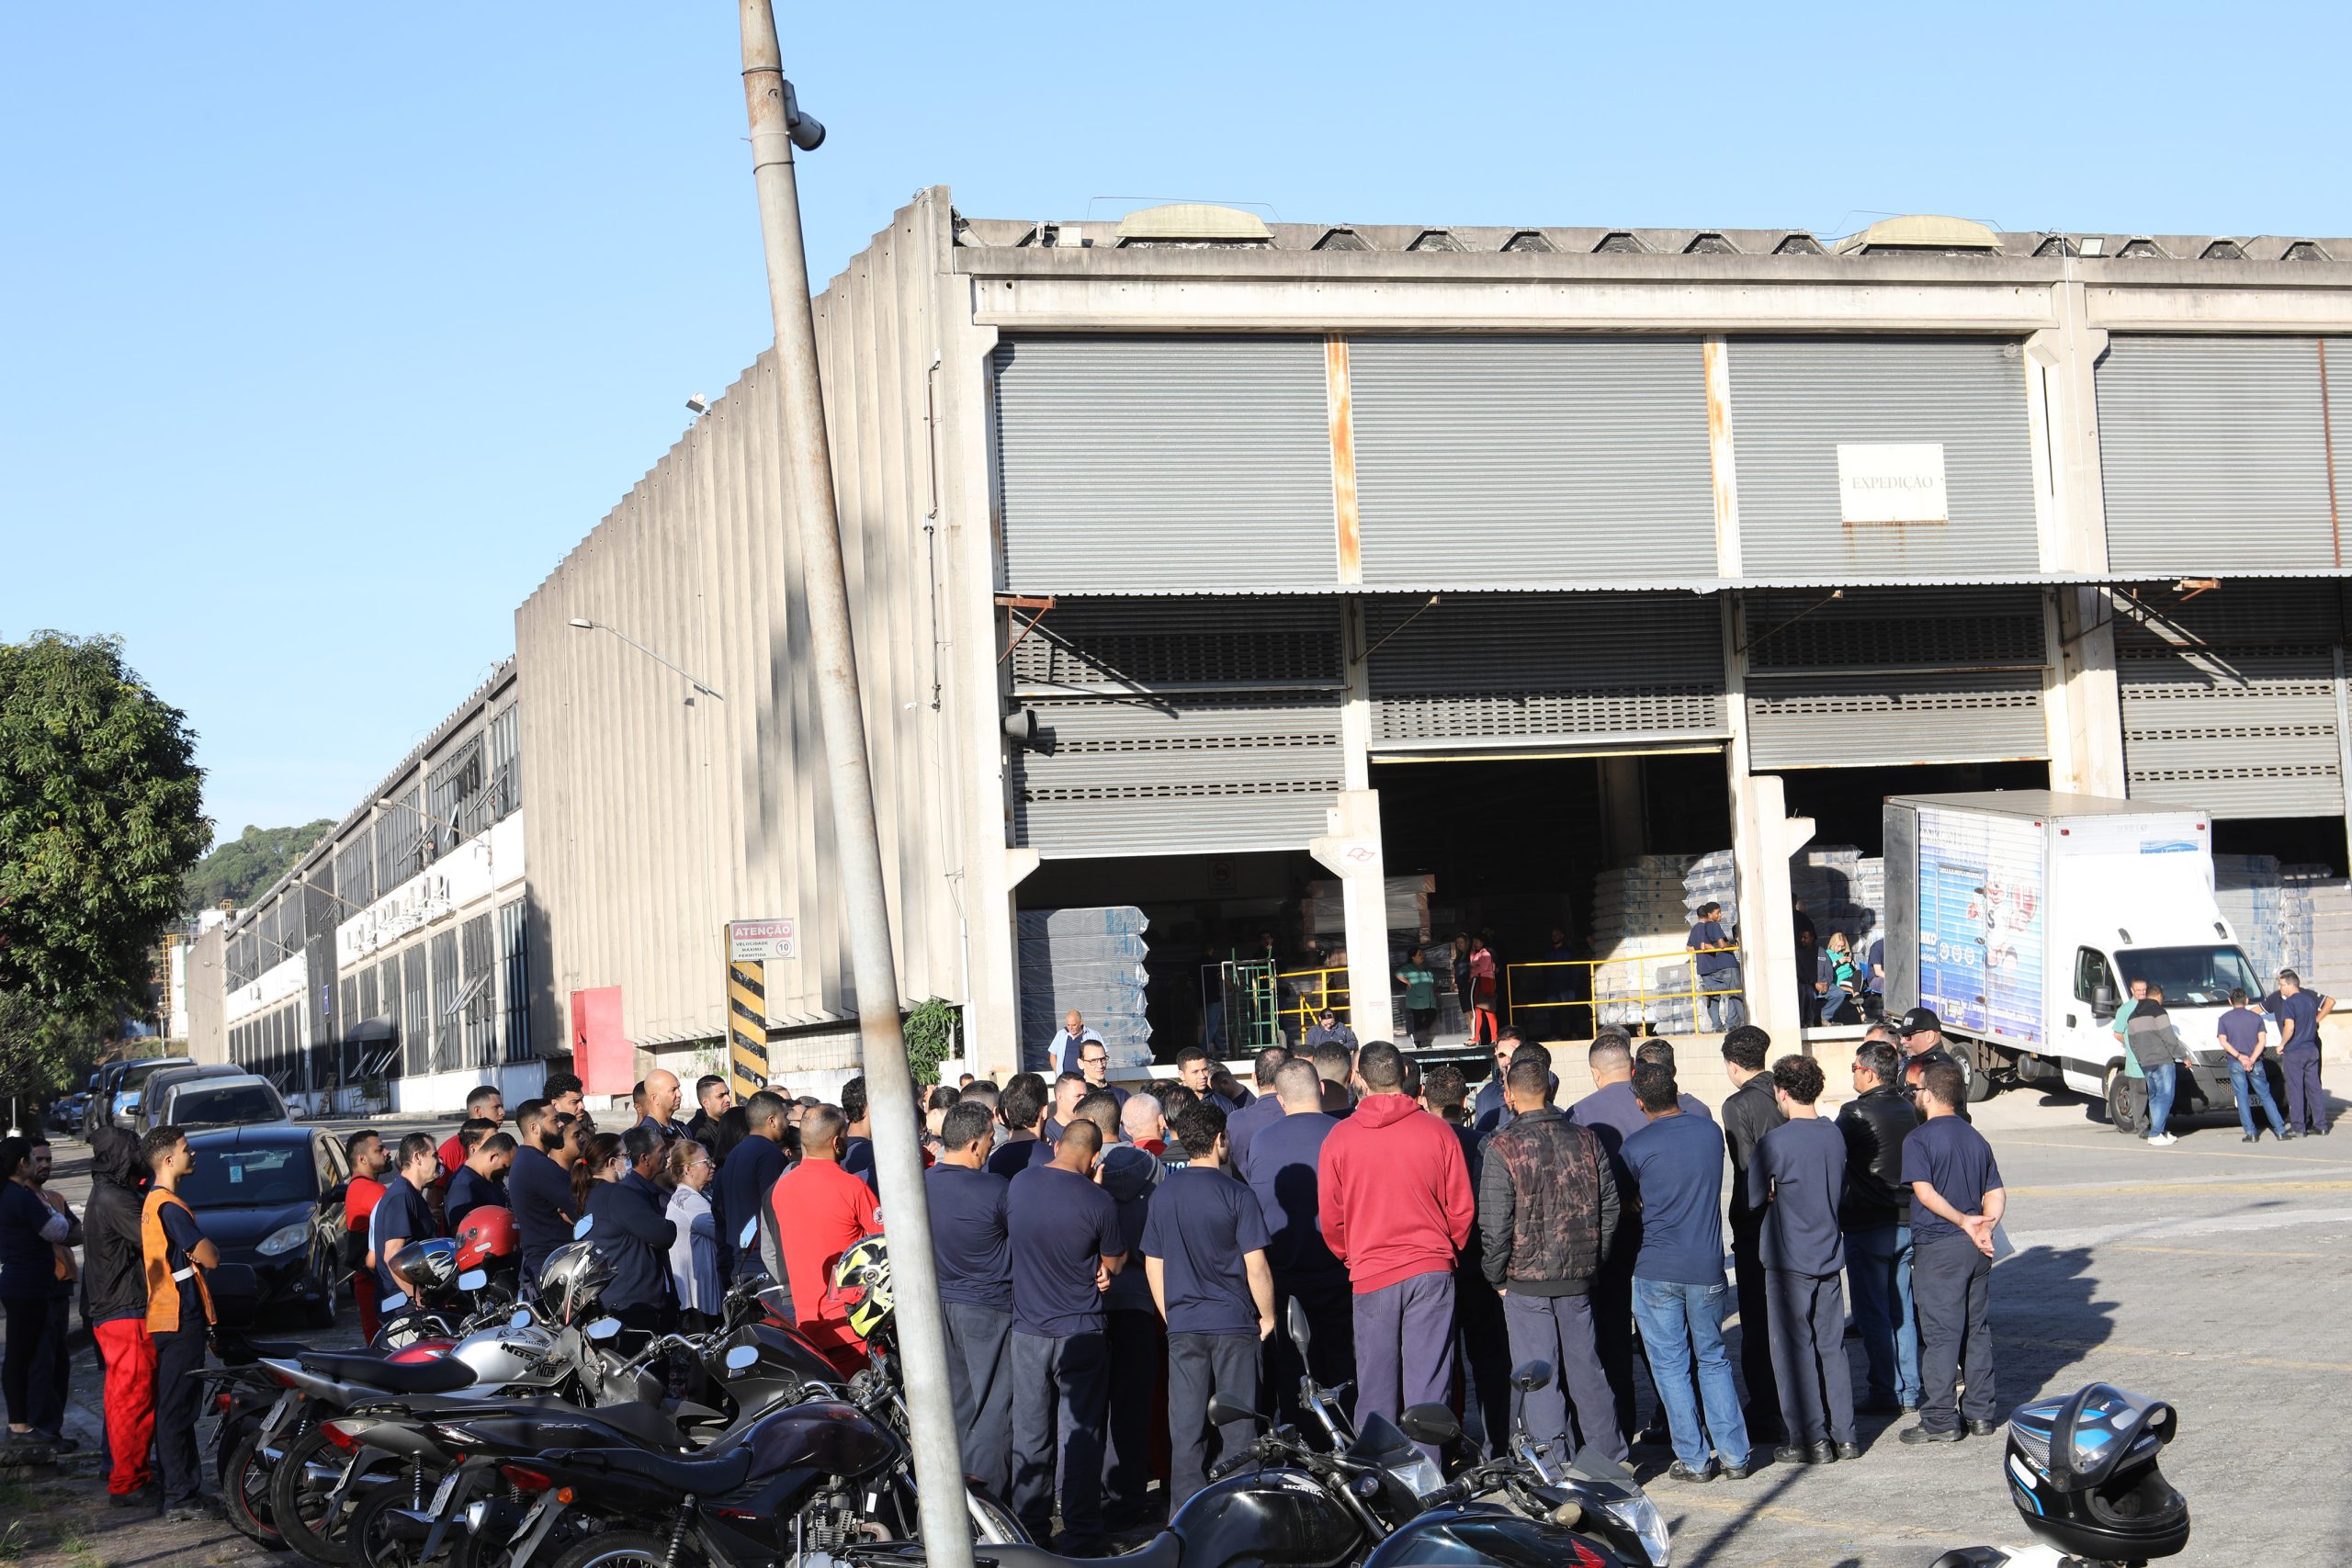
column 1094, row 1066
column 1922, row 1034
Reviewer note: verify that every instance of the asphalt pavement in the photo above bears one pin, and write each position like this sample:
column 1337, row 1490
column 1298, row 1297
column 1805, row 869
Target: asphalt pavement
column 2213, row 1273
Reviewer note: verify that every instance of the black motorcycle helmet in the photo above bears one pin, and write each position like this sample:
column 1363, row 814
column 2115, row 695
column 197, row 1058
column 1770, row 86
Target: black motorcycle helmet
column 2082, row 1471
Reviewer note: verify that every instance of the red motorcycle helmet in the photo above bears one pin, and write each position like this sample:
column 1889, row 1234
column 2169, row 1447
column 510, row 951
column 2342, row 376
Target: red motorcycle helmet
column 486, row 1235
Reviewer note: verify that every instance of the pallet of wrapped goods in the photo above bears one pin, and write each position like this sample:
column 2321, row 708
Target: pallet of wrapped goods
column 1406, row 899
column 1090, row 959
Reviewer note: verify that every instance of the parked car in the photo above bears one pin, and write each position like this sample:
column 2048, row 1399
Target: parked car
column 221, row 1095
column 66, row 1115
column 270, row 1196
column 116, row 1094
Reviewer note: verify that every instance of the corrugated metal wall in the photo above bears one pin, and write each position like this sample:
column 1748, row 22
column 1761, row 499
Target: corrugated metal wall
column 654, row 818
column 1880, row 679
column 2229, row 699
column 1129, row 465
column 2215, row 455
column 1795, row 402
column 1522, row 460
column 1179, row 726
column 1526, row 671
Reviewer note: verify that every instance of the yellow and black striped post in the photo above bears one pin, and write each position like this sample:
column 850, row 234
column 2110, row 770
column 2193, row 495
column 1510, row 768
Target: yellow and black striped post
column 746, row 1027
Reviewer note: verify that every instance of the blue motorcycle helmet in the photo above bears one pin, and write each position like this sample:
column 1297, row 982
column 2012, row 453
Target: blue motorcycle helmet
column 2082, row 1471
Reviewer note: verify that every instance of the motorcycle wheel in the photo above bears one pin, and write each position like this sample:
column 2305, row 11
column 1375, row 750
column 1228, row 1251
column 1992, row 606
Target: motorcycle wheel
column 373, row 1540
column 297, row 1502
column 244, row 1494
column 621, row 1549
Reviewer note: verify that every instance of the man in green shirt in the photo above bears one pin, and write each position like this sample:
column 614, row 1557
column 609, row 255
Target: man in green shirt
column 2132, row 1068
column 1420, row 996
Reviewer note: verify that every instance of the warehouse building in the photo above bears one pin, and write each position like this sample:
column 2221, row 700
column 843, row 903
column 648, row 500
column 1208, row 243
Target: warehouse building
column 1229, row 570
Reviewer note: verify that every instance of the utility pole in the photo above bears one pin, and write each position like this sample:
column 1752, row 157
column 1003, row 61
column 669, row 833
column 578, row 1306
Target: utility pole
column 809, row 469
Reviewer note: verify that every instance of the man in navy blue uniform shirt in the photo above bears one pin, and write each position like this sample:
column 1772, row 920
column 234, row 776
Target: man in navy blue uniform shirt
column 1021, row 1109
column 1956, row 1199
column 1263, row 1112
column 481, row 1182
column 1284, row 1172
column 973, row 1244
column 2299, row 1012
column 1795, row 1177
column 538, row 1184
column 1065, row 1245
column 1205, row 1252
column 402, row 1215
column 744, row 1182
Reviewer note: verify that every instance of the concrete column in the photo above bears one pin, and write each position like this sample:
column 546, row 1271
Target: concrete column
column 2082, row 701
column 1355, row 704
column 1352, row 852
column 1763, row 838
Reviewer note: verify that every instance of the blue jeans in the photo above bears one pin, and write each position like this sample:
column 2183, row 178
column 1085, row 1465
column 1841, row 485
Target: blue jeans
column 1878, row 1263
column 1724, row 1012
column 2159, row 1098
column 1675, row 1320
column 2260, row 1081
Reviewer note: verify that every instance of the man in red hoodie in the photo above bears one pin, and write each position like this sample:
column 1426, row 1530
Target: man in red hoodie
column 1397, row 1209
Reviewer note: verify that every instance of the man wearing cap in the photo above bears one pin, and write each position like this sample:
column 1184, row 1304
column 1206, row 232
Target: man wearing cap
column 1921, row 1033
column 1329, row 1027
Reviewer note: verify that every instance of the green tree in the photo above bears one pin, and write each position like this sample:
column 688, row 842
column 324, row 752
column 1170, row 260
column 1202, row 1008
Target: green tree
column 246, row 866
column 100, row 819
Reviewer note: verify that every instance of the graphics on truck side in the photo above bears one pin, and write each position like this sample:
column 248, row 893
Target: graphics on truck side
column 1981, row 906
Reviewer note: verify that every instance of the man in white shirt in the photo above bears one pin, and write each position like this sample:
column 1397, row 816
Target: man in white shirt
column 1062, row 1054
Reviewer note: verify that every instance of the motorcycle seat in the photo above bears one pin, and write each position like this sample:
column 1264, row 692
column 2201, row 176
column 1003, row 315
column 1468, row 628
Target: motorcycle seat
column 700, row 1476
column 445, row 1375
column 1165, row 1550
column 292, row 1350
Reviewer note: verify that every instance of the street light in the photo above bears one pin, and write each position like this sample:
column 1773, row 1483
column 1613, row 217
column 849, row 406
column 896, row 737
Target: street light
column 582, row 622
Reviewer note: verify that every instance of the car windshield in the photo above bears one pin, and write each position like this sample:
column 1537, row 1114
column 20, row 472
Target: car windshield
column 2192, row 977
column 225, row 1107
column 139, row 1072
column 226, row 1178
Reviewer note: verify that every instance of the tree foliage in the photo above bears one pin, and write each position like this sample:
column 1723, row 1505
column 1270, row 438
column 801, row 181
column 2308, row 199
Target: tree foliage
column 247, row 864
column 100, row 818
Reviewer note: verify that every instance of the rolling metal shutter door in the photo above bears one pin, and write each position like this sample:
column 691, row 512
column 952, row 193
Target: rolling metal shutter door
column 1869, row 681
column 1531, row 460
column 1145, row 464
column 1179, row 726
column 1794, row 402
column 2213, row 455
column 1529, row 671
column 2229, row 707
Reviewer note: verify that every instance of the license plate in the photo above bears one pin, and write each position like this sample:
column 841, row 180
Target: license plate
column 277, row 1414
column 529, row 1519
column 441, row 1497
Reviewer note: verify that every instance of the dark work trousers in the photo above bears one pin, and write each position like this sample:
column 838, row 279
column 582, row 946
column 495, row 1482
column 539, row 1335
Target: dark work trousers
column 1809, row 1357
column 1199, row 1365
column 1138, row 1352
column 35, row 1372
column 1331, row 1349
column 1762, row 1405
column 2306, row 1101
column 1613, row 1325
column 1404, row 1347
column 1061, row 1387
column 980, row 1383
column 1483, row 1356
column 1952, row 1286
column 1558, row 1331
column 179, row 1399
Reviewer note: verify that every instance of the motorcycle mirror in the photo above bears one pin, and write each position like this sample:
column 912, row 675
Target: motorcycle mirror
column 472, row 1279
column 1299, row 1334
column 1430, row 1424
column 1224, row 1412
column 751, row 1233
column 1531, row 1376
column 521, row 1318
column 603, row 1328
column 743, row 1357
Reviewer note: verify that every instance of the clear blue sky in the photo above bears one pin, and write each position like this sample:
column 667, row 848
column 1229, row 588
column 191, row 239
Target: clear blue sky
column 326, row 330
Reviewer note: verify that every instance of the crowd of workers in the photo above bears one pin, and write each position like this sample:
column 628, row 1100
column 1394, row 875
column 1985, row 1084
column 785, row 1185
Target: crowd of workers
column 1111, row 1260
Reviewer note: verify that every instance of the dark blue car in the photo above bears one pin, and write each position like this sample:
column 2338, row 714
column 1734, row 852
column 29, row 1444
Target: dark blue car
column 271, row 1196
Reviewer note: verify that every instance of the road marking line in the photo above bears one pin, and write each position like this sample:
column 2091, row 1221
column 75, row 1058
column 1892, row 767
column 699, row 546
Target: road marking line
column 2230, row 1184
column 2093, row 1145
column 2159, row 1228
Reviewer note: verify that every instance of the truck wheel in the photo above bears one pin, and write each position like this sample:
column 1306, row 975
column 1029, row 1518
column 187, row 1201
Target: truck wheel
column 2123, row 1103
column 1976, row 1065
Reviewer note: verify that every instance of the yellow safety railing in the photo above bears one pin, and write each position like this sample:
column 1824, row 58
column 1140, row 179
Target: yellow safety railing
column 1314, row 989
column 1621, row 983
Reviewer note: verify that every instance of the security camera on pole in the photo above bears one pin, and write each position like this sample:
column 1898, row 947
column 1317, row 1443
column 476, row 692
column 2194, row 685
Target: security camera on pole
column 777, row 127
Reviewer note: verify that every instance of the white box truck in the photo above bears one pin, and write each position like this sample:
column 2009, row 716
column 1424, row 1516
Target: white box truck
column 2022, row 917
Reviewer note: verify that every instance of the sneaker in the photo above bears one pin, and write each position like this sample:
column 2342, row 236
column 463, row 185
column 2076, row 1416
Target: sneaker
column 1679, row 1471
column 1928, row 1434
column 2247, row 1139
column 2162, row 1140
column 195, row 1510
column 144, row 1497
column 57, row 1441
column 2286, row 1135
